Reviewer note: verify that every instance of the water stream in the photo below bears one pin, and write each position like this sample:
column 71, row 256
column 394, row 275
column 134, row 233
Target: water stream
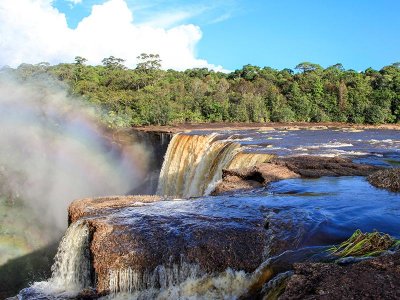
column 318, row 212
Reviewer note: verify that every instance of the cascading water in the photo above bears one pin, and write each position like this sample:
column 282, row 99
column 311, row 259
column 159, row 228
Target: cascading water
column 162, row 277
column 227, row 285
column 193, row 164
column 71, row 272
column 187, row 282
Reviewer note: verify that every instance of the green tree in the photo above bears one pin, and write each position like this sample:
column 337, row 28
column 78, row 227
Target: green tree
column 148, row 62
column 114, row 63
column 307, row 67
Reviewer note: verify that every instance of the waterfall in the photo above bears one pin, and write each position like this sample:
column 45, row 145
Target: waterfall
column 186, row 281
column 71, row 271
column 193, row 163
column 72, row 261
column 162, row 277
column 227, row 285
column 128, row 284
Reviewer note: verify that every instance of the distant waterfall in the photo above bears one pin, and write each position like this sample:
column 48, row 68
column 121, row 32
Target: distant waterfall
column 193, row 164
column 71, row 271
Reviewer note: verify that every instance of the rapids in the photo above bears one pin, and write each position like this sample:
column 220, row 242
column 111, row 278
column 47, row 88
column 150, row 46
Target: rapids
column 194, row 161
column 289, row 221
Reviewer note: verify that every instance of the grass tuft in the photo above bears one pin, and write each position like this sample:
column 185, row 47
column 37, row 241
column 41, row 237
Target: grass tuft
column 364, row 244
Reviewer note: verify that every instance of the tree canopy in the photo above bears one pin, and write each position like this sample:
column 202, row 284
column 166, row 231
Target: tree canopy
column 148, row 95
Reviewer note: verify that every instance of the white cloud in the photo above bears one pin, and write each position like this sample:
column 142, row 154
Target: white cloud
column 32, row 31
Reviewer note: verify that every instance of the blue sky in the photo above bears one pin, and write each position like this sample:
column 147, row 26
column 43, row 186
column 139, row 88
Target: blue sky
column 357, row 33
column 232, row 33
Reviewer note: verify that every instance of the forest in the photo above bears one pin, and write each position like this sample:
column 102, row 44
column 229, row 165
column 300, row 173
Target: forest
column 148, row 95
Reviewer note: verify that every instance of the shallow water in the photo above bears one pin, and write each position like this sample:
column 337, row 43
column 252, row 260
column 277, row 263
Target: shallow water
column 380, row 147
column 346, row 204
column 331, row 208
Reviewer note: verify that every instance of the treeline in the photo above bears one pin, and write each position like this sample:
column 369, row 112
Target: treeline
column 148, row 95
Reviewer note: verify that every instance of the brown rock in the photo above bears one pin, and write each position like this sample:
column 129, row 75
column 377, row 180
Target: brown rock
column 261, row 126
column 250, row 178
column 120, row 243
column 388, row 179
column 97, row 206
column 211, row 234
column 376, row 278
column 274, row 172
column 289, row 167
column 239, row 179
column 317, row 166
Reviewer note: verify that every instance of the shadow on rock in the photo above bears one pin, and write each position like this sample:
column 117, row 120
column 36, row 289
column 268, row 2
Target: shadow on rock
column 18, row 273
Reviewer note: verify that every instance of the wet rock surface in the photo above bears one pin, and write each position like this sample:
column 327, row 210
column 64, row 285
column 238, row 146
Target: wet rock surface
column 249, row 178
column 234, row 180
column 388, row 179
column 289, row 167
column 91, row 207
column 212, row 234
column 376, row 278
column 316, row 166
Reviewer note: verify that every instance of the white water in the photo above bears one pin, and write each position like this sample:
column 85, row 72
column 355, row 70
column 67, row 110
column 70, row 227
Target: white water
column 229, row 284
column 193, row 164
column 162, row 277
column 71, row 269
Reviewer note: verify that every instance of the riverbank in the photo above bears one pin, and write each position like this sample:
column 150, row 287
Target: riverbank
column 260, row 126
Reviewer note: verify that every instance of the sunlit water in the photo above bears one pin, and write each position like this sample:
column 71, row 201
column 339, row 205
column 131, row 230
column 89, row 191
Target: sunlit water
column 334, row 206
column 381, row 146
column 325, row 211
column 322, row 212
column 194, row 161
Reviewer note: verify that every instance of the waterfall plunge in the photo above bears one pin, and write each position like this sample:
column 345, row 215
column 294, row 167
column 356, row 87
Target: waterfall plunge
column 193, row 164
column 71, row 272
column 162, row 277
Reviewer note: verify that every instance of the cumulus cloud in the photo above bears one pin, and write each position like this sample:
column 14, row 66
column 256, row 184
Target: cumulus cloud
column 33, row 31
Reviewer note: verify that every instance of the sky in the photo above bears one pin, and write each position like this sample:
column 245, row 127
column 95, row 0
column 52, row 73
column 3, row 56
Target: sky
column 217, row 34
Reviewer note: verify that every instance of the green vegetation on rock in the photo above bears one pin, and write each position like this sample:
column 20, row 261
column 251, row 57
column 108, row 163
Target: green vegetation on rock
column 364, row 244
column 148, row 95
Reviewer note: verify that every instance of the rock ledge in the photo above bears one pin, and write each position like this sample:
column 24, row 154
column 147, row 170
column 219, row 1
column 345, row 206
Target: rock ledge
column 289, row 167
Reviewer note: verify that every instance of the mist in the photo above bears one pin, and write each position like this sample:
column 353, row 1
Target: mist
column 54, row 151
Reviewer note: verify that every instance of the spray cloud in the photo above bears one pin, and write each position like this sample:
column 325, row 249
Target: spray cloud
column 52, row 151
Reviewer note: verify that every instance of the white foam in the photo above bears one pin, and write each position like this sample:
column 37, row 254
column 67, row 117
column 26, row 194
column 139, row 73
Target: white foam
column 130, row 281
column 71, row 270
column 226, row 285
